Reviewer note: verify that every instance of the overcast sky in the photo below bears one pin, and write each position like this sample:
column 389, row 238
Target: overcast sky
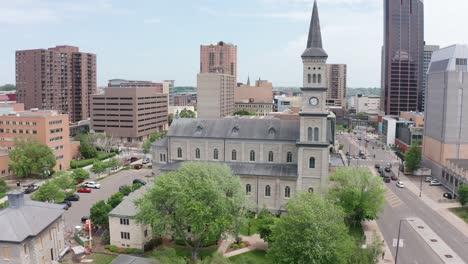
column 159, row 39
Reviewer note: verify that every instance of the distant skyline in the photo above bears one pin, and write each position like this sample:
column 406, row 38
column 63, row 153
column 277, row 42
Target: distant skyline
column 158, row 40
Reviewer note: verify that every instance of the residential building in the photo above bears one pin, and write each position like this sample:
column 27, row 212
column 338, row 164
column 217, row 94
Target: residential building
column 403, row 56
column 336, row 93
column 219, row 58
column 124, row 229
column 32, row 232
column 446, row 124
column 47, row 126
column 274, row 158
column 366, row 104
column 185, row 99
column 129, row 114
column 215, row 95
column 257, row 99
column 60, row 78
column 428, row 50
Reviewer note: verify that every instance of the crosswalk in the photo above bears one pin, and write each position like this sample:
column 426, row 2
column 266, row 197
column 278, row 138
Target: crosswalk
column 392, row 198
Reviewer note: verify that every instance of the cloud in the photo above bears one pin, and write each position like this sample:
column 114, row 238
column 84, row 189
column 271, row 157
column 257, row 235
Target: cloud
column 18, row 16
column 151, row 21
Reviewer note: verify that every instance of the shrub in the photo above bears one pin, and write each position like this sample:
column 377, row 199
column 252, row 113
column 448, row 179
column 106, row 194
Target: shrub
column 235, row 246
column 264, row 213
column 153, row 243
column 136, row 186
column 116, row 249
column 242, row 245
column 125, row 190
column 105, row 238
column 75, row 164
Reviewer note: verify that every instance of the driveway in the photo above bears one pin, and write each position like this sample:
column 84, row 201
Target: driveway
column 109, row 186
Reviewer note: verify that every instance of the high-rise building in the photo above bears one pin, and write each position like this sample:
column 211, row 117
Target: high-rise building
column 336, row 92
column 219, row 58
column 428, row 50
column 60, row 78
column 402, row 73
column 168, row 88
column 215, row 95
column 446, row 121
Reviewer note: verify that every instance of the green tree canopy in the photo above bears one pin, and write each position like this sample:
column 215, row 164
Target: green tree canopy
column 185, row 113
column 413, row 157
column 63, row 179
column 31, row 158
column 3, row 187
column 8, row 87
column 99, row 214
column 153, row 138
column 197, row 204
column 170, row 118
column 87, row 149
column 80, row 174
column 358, row 192
column 313, row 231
column 463, row 194
column 115, row 199
column 245, row 113
column 49, row 192
column 125, row 190
column 98, row 167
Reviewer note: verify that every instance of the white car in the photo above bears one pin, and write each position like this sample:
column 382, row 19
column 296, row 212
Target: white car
column 400, row 184
column 435, row 183
column 91, row 184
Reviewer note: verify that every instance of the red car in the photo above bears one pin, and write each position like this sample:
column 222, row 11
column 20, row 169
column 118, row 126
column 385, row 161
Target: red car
column 84, row 190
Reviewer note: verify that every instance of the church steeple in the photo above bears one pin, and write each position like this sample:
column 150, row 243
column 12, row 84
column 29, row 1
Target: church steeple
column 314, row 42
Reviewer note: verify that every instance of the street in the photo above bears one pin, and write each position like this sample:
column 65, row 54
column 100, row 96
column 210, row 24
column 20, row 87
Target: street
column 402, row 204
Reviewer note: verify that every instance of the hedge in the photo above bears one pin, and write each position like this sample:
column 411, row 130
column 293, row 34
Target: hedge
column 74, row 164
column 116, row 249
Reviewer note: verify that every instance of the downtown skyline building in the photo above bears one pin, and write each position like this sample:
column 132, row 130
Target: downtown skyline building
column 336, row 93
column 428, row 51
column 402, row 56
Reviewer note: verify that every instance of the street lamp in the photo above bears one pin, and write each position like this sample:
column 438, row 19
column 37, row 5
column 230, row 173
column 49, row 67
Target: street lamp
column 398, row 239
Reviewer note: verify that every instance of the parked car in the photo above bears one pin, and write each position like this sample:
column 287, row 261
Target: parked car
column 73, row 197
column 435, row 183
column 30, row 188
column 377, row 166
column 380, row 170
column 387, row 169
column 138, row 166
column 428, row 179
column 382, row 174
column 145, row 161
column 363, row 157
column 139, row 181
column 359, row 138
column 133, row 159
column 386, row 179
column 400, row 184
column 84, row 190
column 394, row 177
column 66, row 204
column 449, row 195
column 91, row 184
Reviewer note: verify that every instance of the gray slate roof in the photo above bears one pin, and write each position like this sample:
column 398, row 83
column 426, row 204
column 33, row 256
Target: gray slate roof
column 160, row 143
column 253, row 169
column 127, row 207
column 17, row 224
column 236, row 128
column 314, row 42
column 126, row 259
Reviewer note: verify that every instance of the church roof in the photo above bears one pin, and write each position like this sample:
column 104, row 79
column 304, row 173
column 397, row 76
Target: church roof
column 314, row 42
column 236, row 128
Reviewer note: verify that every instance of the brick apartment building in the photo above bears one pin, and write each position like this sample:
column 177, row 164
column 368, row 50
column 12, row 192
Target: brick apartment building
column 130, row 114
column 219, row 58
column 60, row 78
column 48, row 127
column 185, row 99
column 336, row 93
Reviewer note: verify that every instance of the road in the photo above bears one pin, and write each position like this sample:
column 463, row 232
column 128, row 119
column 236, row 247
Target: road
column 401, row 204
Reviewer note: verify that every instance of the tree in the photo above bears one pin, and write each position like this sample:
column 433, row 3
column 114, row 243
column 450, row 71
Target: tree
column 185, row 113
column 244, row 113
column 153, row 138
column 98, row 167
column 197, row 204
column 99, row 214
column 49, row 192
column 87, row 149
column 63, row 179
column 80, row 175
column 463, row 194
column 112, row 163
column 31, row 158
column 3, row 187
column 313, row 231
column 413, row 157
column 265, row 225
column 115, row 199
column 170, row 118
column 358, row 192
column 8, row 87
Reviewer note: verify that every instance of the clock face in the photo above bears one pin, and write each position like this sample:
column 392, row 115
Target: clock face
column 314, row 101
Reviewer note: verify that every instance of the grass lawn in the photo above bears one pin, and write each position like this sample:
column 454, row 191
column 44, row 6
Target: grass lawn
column 187, row 252
column 461, row 212
column 254, row 256
column 100, row 258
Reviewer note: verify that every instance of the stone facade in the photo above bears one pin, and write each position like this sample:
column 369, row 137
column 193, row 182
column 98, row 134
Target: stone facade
column 138, row 235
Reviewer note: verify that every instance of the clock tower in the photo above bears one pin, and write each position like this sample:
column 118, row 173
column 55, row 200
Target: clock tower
column 313, row 155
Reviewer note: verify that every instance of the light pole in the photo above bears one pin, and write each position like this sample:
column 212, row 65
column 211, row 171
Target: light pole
column 420, row 185
column 398, row 239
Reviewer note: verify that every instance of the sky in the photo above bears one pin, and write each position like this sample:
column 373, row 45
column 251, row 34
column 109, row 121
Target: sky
column 157, row 40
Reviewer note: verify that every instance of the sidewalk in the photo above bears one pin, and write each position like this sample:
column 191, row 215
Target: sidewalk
column 369, row 228
column 254, row 241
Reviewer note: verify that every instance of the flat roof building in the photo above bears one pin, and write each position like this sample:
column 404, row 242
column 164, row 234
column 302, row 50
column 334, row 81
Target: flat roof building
column 215, row 95
column 336, row 93
column 257, row 99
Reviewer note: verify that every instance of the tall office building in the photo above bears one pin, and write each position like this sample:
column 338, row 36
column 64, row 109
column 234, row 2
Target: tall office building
column 428, row 50
column 336, row 92
column 402, row 73
column 219, row 58
column 60, row 78
column 168, row 88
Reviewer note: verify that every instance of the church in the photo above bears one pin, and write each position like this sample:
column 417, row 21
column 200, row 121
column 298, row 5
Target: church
column 274, row 158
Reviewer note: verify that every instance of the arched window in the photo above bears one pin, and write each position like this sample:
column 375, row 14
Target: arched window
column 270, row 156
column 308, row 78
column 314, row 78
column 316, row 134
column 309, row 134
column 215, row 154
column 252, row 155
column 287, row 192
column 267, row 190
column 319, row 78
column 197, row 153
column 164, row 157
column 234, row 155
column 312, row 163
column 248, row 189
column 311, row 190
column 289, row 157
column 179, row 152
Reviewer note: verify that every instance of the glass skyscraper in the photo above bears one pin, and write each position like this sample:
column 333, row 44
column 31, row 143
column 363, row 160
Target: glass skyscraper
column 402, row 56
